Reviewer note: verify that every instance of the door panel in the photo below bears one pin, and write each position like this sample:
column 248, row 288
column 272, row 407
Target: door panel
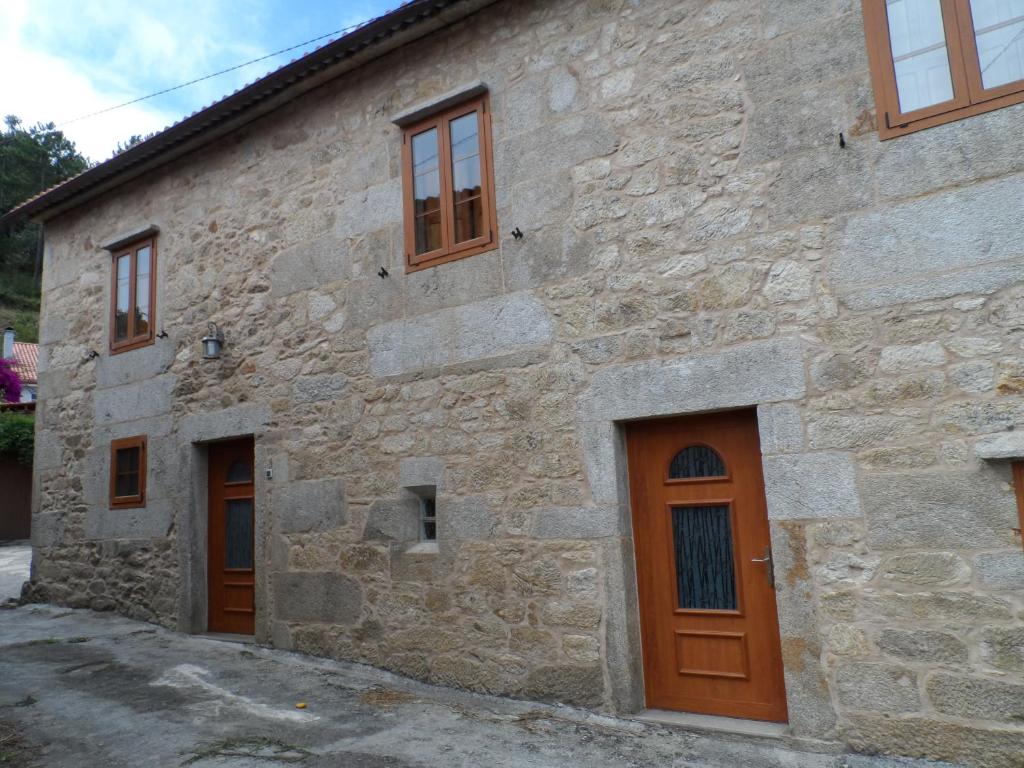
column 707, row 600
column 231, row 561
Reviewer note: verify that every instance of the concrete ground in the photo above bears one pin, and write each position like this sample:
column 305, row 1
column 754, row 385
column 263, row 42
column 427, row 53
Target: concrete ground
column 15, row 558
column 81, row 689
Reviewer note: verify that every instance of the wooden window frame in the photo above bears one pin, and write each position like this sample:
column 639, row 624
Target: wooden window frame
column 1018, row 487
column 133, row 341
column 969, row 97
column 139, row 499
column 450, row 251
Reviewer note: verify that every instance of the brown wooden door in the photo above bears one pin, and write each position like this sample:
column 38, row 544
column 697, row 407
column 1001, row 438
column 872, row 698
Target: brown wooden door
column 231, row 563
column 707, row 600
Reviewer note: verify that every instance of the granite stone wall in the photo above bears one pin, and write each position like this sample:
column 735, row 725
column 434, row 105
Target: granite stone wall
column 695, row 239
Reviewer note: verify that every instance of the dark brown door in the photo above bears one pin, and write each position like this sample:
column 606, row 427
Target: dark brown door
column 704, row 573
column 232, row 574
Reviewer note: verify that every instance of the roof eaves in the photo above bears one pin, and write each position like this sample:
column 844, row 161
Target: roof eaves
column 405, row 24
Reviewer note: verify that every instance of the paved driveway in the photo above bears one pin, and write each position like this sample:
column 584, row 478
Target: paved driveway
column 80, row 690
column 14, row 563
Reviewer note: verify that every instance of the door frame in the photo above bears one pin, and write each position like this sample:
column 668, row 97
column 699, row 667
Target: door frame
column 194, row 441
column 724, row 491
column 718, row 380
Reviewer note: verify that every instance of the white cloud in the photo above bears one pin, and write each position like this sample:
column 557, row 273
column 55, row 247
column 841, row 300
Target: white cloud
column 60, row 65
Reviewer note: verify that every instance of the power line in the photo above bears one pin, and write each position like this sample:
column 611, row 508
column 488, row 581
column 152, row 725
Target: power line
column 211, row 75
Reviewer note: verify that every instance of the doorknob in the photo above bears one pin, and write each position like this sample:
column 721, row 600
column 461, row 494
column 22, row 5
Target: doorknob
column 769, row 564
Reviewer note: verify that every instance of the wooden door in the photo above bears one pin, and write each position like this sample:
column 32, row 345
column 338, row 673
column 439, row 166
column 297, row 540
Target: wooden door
column 231, row 563
column 709, row 626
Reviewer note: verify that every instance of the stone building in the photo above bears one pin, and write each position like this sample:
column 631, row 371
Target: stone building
column 635, row 354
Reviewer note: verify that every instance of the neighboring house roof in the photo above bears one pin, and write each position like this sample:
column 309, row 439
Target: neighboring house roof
column 406, row 23
column 26, row 362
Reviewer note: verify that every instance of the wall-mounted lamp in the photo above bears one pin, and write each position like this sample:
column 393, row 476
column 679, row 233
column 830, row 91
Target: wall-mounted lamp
column 212, row 343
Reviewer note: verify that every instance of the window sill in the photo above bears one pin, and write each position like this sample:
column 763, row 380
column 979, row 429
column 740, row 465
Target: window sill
column 423, row 548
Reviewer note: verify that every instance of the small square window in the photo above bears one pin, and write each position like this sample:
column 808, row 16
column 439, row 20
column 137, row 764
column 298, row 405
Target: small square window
column 128, row 472
column 428, row 518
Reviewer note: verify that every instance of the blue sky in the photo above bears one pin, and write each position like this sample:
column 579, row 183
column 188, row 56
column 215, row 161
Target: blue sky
column 62, row 59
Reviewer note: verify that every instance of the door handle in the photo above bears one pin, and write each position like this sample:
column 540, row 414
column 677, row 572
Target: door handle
column 769, row 563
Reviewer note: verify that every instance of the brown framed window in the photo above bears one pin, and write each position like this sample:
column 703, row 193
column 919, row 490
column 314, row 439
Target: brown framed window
column 133, row 304
column 935, row 61
column 449, row 186
column 128, row 472
column 1018, row 486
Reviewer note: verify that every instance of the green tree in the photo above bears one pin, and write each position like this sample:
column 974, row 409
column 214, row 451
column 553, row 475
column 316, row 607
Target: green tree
column 31, row 160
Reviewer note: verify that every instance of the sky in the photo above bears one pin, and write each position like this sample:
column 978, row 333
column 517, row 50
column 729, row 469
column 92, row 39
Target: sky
column 60, row 59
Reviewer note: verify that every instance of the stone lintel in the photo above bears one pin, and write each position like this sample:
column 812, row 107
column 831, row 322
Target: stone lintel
column 1006, row 446
column 127, row 237
column 439, row 103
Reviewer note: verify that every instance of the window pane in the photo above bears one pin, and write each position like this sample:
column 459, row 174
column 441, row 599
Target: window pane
column 238, row 533
column 121, row 300
column 469, row 220
column 696, row 461
column 142, row 292
column 428, row 513
column 466, row 175
column 919, row 53
column 465, row 136
column 428, row 232
column 705, row 571
column 466, row 183
column 126, row 473
column 999, row 31
column 426, row 190
column 239, row 472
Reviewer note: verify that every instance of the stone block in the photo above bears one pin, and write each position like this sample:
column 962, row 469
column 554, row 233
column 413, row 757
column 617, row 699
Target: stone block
column 922, row 645
column 899, row 359
column 465, row 517
column 826, row 48
column 235, row 421
column 916, row 244
column 473, row 332
column 316, row 389
column 698, row 383
column 877, row 687
column 835, row 431
column 310, row 505
column 976, row 698
column 131, row 402
column 309, row 265
column 421, row 472
column 393, row 520
column 938, row 569
column 327, row 598
column 930, row 509
column 810, row 486
column 1008, row 445
column 552, row 254
column 1001, row 570
column 945, row 156
column 135, row 366
column 934, row 739
column 1001, row 647
column 577, row 522
column 49, row 451
column 453, row 284
column 561, row 145
column 822, row 183
column 578, row 615
column 153, row 521
column 47, row 529
column 780, row 427
column 946, row 607
column 579, row 686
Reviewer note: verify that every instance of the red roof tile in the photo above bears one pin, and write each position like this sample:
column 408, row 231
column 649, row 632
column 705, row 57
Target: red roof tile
column 26, row 361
